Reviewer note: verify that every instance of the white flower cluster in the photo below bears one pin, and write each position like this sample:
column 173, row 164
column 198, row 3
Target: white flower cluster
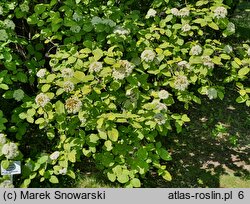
column 212, row 93
column 75, row 28
column 163, row 94
column 42, row 99
column 24, row 7
column 2, row 138
column 159, row 119
column 248, row 52
column 54, row 155
column 6, row 184
column 181, row 82
column 3, row 35
column 181, row 13
column 125, row 69
column 196, row 50
column 220, row 12
column 10, row 150
column 228, row 49
column 73, row 105
column 207, row 61
column 120, row 31
column 67, row 73
column 230, row 27
column 183, row 64
column 68, row 86
column 18, row 94
column 175, row 11
column 148, row 55
column 41, row 73
column 151, row 13
column 95, row 67
column 77, row 17
column 97, row 20
column 1, row 10
column 63, row 171
column 186, row 27
column 9, row 24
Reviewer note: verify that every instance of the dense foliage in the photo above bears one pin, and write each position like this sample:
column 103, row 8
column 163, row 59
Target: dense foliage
column 105, row 79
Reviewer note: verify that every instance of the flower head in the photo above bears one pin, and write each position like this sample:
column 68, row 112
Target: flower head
column 207, row 61
column 96, row 20
column 67, row 73
column 220, row 12
column 196, row 50
column 163, row 94
column 212, row 93
column 2, row 138
column 1, row 10
column 231, row 27
column 121, row 31
column 41, row 73
column 248, row 52
column 125, row 68
column 151, row 13
column 54, row 155
column 148, row 55
column 183, row 12
column 159, row 119
column 63, row 171
column 75, row 28
column 6, row 184
column 68, row 86
column 186, row 28
column 3, row 35
column 183, row 64
column 10, row 150
column 228, row 49
column 9, row 24
column 181, row 82
column 76, row 16
column 95, row 67
column 73, row 105
column 175, row 11
column 24, row 7
column 42, row 99
column 18, row 94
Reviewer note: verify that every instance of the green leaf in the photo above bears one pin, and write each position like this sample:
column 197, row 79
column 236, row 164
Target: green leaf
column 59, row 107
column 185, row 118
column 123, row 178
column 53, row 179
column 71, row 174
column 243, row 71
column 164, row 154
column 40, row 8
column 113, row 134
column 111, row 177
column 42, row 159
column 39, row 121
column 5, row 164
column 97, row 54
column 109, row 60
column 213, row 25
column 93, row 138
column 72, row 156
column 136, row 182
column 4, row 86
column 167, row 176
column 79, row 75
column 108, row 145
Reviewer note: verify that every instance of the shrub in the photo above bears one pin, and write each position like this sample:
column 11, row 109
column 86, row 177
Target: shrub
column 105, row 79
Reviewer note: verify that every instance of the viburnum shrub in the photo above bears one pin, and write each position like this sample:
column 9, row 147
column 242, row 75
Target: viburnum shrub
column 101, row 79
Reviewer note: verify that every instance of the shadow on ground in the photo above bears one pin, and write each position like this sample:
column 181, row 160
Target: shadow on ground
column 213, row 150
